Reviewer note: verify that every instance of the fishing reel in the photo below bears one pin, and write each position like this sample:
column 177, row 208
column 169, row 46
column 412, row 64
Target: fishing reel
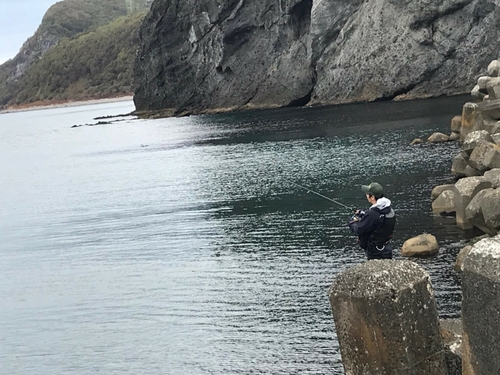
column 356, row 217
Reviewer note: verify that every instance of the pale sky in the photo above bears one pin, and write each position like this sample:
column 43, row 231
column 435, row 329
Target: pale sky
column 19, row 20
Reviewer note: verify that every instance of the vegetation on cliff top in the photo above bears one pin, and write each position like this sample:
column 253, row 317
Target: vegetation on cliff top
column 94, row 65
column 83, row 49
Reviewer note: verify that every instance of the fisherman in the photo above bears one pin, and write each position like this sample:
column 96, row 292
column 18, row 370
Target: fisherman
column 374, row 228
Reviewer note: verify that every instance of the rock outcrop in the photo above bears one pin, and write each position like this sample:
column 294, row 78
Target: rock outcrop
column 220, row 55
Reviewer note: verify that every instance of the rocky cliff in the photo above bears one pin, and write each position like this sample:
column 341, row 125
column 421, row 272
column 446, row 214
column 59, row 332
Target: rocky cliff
column 239, row 54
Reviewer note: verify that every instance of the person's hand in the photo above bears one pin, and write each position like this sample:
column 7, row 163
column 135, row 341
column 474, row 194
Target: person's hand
column 353, row 219
column 359, row 213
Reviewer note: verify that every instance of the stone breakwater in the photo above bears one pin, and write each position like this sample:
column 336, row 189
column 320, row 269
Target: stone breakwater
column 385, row 312
column 387, row 323
column 475, row 198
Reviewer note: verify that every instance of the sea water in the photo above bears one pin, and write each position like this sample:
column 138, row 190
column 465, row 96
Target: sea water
column 185, row 245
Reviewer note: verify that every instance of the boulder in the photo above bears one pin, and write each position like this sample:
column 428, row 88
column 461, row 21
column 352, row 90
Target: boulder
column 491, row 211
column 485, row 156
column 459, row 263
column 481, row 308
column 454, row 136
column 438, row 137
column 496, row 138
column 386, row 319
column 494, row 68
column 493, row 176
column 456, row 124
column 465, row 189
column 444, row 204
column 474, row 210
column 472, row 119
column 421, row 245
column 417, row 141
column 491, row 108
column 493, row 88
column 472, row 140
column 458, row 166
column 451, row 331
column 482, row 82
column 439, row 189
column 496, row 128
column 477, row 94
column 471, row 172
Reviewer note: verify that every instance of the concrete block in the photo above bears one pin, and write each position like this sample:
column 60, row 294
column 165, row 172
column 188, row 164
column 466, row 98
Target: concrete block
column 472, row 119
column 465, row 189
column 386, row 320
column 481, row 308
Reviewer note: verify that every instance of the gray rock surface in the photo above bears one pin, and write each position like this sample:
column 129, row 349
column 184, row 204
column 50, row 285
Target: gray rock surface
column 386, row 320
column 473, row 139
column 220, row 55
column 465, row 189
column 422, row 245
column 493, row 176
column 444, row 204
column 481, row 308
column 474, row 212
column 485, row 156
column 439, row 189
column 438, row 137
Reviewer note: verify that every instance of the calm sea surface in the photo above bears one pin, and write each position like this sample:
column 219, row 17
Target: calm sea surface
column 183, row 245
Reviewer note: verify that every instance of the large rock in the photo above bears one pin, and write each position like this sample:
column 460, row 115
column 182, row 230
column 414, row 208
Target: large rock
column 491, row 211
column 496, row 128
column 214, row 55
column 474, row 210
column 421, row 245
column 473, row 139
column 481, row 308
column 444, row 204
column 472, row 119
column 459, row 263
column 386, row 320
column 456, row 124
column 491, row 108
column 458, row 166
column 438, row 137
column 494, row 68
column 451, row 330
column 486, row 155
column 493, row 88
column 465, row 189
column 439, row 189
column 493, row 176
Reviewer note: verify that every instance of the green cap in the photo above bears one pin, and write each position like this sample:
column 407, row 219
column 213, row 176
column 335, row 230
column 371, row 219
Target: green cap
column 374, row 189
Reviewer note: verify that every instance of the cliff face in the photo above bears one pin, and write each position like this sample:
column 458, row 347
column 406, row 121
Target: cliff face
column 237, row 54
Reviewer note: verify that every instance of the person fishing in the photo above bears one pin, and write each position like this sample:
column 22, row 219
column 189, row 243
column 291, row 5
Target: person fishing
column 374, row 228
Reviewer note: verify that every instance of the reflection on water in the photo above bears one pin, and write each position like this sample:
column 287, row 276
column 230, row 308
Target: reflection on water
column 184, row 246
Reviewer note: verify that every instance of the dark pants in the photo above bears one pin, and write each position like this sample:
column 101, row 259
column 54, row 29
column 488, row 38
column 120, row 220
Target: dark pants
column 386, row 253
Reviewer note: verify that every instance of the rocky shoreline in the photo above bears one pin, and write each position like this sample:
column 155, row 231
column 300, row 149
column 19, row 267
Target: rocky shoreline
column 474, row 198
column 385, row 311
column 69, row 103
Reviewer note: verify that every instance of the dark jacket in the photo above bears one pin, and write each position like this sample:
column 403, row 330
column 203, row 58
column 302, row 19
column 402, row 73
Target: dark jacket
column 374, row 229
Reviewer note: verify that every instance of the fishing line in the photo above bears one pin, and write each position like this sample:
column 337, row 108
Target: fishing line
column 322, row 196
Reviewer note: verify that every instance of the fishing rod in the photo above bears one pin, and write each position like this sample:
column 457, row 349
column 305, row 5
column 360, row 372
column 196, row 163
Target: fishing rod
column 323, row 196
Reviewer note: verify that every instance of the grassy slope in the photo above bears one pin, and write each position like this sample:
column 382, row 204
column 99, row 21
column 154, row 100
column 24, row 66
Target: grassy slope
column 62, row 76
column 92, row 65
